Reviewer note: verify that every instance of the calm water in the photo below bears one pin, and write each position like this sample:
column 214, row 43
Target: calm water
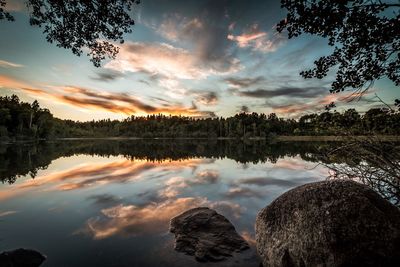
column 108, row 203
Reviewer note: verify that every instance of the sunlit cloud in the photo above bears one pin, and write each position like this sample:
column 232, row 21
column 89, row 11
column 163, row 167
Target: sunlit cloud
column 166, row 60
column 175, row 27
column 10, row 82
column 7, row 64
column 204, row 34
column 98, row 174
column 257, row 40
column 92, row 99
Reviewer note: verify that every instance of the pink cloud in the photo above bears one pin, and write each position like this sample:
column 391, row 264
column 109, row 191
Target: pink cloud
column 256, row 39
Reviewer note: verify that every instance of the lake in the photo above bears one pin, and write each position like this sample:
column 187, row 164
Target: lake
column 109, row 202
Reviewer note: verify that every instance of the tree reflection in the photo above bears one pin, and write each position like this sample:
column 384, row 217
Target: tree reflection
column 371, row 162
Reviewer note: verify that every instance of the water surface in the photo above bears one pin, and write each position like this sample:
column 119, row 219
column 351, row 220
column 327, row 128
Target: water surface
column 108, row 203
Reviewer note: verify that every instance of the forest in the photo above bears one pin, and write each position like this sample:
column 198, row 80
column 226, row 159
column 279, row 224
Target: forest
column 21, row 120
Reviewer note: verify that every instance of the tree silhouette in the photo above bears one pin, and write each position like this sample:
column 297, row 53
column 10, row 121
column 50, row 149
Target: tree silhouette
column 81, row 24
column 364, row 33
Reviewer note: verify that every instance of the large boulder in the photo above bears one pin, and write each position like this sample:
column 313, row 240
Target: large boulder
column 205, row 234
column 21, row 258
column 330, row 223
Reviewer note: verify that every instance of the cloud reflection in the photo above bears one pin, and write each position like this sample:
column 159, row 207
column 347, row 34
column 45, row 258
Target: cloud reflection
column 131, row 220
column 98, row 174
column 152, row 218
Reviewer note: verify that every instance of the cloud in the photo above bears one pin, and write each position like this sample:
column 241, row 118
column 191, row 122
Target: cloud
column 103, row 173
column 302, row 92
column 296, row 109
column 207, row 177
column 7, row 64
column 152, row 218
column 206, row 98
column 131, row 220
column 256, row 39
column 112, row 102
column 10, row 82
column 168, row 61
column 244, row 82
column 175, row 27
column 107, row 76
column 203, row 32
column 174, row 185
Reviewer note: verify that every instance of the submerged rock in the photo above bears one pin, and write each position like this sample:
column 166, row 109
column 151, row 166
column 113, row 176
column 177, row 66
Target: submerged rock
column 330, row 223
column 21, row 258
column 207, row 235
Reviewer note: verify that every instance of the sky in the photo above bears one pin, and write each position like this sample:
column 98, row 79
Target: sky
column 198, row 58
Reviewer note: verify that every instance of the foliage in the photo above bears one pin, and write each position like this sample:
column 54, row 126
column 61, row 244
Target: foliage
column 80, row 24
column 365, row 35
column 20, row 120
column 370, row 161
column 3, row 13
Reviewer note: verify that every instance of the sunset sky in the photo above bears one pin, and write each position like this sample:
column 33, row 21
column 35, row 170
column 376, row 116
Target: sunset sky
column 196, row 58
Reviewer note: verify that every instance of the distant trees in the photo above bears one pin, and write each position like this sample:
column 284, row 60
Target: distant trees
column 79, row 24
column 23, row 120
column 19, row 119
column 364, row 34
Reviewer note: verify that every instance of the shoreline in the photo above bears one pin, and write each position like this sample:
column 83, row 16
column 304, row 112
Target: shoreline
column 281, row 138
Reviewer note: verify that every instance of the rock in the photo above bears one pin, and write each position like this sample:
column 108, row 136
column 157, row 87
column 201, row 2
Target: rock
column 21, row 258
column 330, row 223
column 207, row 235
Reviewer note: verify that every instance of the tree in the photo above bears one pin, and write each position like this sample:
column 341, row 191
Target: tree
column 80, row 24
column 365, row 35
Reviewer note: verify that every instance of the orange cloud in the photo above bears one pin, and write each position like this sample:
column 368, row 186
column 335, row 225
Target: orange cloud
column 255, row 39
column 96, row 174
column 92, row 99
column 9, row 82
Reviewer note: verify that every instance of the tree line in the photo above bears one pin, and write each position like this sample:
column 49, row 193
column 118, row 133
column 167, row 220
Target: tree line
column 22, row 120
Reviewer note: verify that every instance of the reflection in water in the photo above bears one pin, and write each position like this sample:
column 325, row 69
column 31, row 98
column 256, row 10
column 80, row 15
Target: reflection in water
column 108, row 203
column 131, row 220
column 28, row 158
